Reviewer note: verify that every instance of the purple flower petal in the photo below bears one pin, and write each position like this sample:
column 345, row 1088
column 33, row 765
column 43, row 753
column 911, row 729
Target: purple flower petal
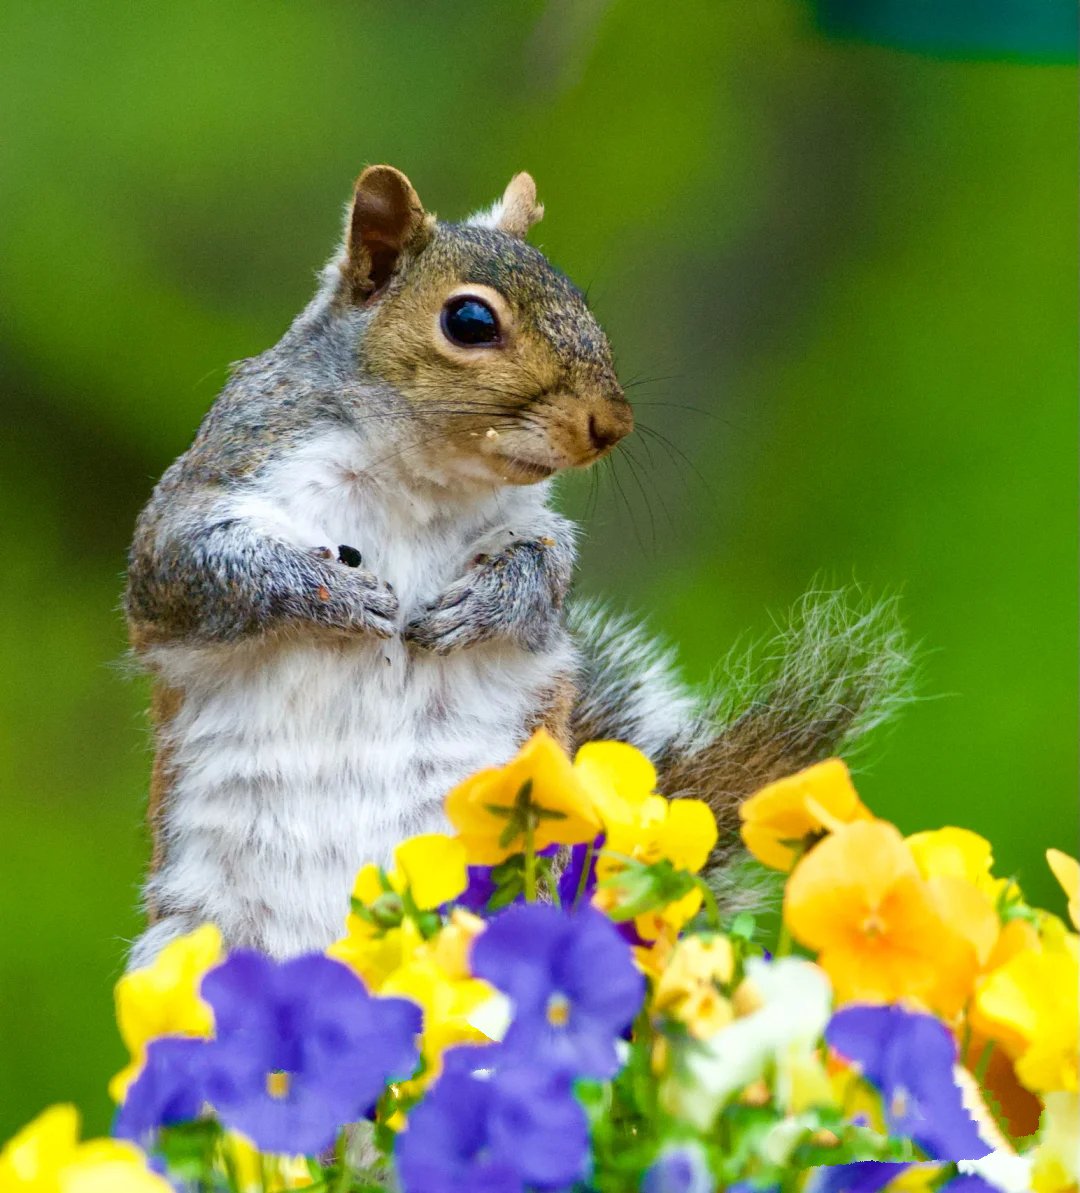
column 169, row 1089
column 910, row 1058
column 302, row 1049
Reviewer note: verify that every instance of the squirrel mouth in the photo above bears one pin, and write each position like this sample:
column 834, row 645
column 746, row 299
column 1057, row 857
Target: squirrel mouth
column 528, row 470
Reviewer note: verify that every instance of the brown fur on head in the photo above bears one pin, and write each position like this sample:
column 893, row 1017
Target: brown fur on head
column 541, row 394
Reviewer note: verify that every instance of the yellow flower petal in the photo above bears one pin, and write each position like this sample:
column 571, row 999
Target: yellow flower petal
column 1067, row 871
column 42, row 1145
column 794, row 810
column 481, row 806
column 619, row 778
column 46, row 1157
column 433, row 866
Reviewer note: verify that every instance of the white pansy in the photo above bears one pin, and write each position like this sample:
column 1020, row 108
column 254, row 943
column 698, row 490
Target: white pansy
column 796, row 1002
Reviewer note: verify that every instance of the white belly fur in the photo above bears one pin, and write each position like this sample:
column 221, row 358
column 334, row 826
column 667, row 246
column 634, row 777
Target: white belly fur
column 297, row 760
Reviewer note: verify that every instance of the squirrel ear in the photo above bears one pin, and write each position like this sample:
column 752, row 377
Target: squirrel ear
column 387, row 218
column 516, row 212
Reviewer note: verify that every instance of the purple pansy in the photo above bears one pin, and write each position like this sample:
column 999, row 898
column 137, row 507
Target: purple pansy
column 502, row 1132
column 864, row 1176
column 301, row 1049
column 169, row 1089
column 576, row 885
column 572, row 981
column 682, row 1168
column 910, row 1058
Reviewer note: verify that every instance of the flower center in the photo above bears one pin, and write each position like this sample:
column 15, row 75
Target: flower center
column 558, row 1010
column 873, row 925
column 277, row 1084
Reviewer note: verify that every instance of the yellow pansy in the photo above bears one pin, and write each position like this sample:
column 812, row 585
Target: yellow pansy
column 1067, row 871
column 433, row 867
column 437, row 977
column 162, row 999
column 782, row 820
column 1029, row 1006
column 1057, row 1157
column 536, row 793
column 637, row 822
column 434, row 973
column 688, row 988
column 47, row 1157
column 374, row 954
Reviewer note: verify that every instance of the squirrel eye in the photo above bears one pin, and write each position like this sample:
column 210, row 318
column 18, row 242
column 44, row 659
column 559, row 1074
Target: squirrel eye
column 470, row 322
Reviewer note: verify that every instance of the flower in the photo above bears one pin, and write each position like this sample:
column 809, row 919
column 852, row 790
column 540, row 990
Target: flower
column 679, row 1169
column 782, row 820
column 47, row 1157
column 1056, row 1161
column 432, row 867
column 1067, row 871
column 572, row 983
column 641, row 829
column 438, row 979
column 638, row 823
column 494, row 1133
column 168, row 1089
column 910, row 1058
column 536, row 793
column 787, row 1004
column 955, row 851
column 1029, row 1006
column 864, row 1176
column 162, row 999
column 687, row 988
column 859, row 900
column 301, row 1049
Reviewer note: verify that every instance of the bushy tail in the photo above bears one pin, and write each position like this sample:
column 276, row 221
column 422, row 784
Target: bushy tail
column 834, row 671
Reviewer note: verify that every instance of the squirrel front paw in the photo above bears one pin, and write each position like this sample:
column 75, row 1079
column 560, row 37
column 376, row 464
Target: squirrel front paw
column 343, row 596
column 507, row 595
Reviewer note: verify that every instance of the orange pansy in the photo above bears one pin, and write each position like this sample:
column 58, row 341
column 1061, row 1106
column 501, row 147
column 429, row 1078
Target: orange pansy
column 858, row 900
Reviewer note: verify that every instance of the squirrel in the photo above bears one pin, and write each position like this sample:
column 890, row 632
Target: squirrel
column 351, row 590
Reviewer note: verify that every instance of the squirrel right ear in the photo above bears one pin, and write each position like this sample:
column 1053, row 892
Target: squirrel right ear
column 387, row 219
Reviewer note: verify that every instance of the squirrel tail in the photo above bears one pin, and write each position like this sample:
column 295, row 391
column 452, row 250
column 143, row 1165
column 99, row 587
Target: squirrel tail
column 837, row 668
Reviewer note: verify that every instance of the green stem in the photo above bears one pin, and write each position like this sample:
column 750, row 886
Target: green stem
column 783, row 943
column 530, row 861
column 584, row 876
column 710, row 902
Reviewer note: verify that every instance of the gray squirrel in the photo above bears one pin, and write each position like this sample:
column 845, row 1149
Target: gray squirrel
column 351, row 590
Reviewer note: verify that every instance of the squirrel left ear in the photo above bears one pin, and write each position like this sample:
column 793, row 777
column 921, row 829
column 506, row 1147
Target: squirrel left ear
column 516, row 212
column 387, row 219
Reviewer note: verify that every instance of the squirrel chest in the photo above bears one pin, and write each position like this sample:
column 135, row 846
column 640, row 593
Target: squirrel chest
column 288, row 760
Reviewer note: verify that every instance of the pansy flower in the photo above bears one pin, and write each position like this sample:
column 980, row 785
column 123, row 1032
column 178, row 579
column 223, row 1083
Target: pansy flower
column 535, row 799
column 572, row 985
column 1067, row 871
column 859, row 900
column 501, row 1131
column 688, row 988
column 301, row 1049
column 47, row 1157
column 784, row 819
column 911, row 1059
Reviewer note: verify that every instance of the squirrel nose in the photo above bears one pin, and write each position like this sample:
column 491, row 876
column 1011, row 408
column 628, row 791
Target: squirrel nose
column 607, row 427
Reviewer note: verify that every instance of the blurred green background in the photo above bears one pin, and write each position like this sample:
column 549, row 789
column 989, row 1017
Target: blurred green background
column 837, row 244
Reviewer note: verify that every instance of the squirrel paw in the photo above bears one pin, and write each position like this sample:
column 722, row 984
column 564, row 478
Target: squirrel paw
column 347, row 597
column 492, row 600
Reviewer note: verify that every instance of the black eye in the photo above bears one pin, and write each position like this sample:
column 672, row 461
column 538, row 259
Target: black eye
column 470, row 322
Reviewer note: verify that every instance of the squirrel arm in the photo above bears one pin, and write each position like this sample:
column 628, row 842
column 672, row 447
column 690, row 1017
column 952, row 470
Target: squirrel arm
column 197, row 573
column 515, row 593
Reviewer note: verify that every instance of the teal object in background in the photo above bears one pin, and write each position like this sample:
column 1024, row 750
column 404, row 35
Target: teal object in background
column 839, row 278
column 1031, row 30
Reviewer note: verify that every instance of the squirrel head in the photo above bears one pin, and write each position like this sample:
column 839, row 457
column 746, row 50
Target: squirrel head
column 493, row 348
